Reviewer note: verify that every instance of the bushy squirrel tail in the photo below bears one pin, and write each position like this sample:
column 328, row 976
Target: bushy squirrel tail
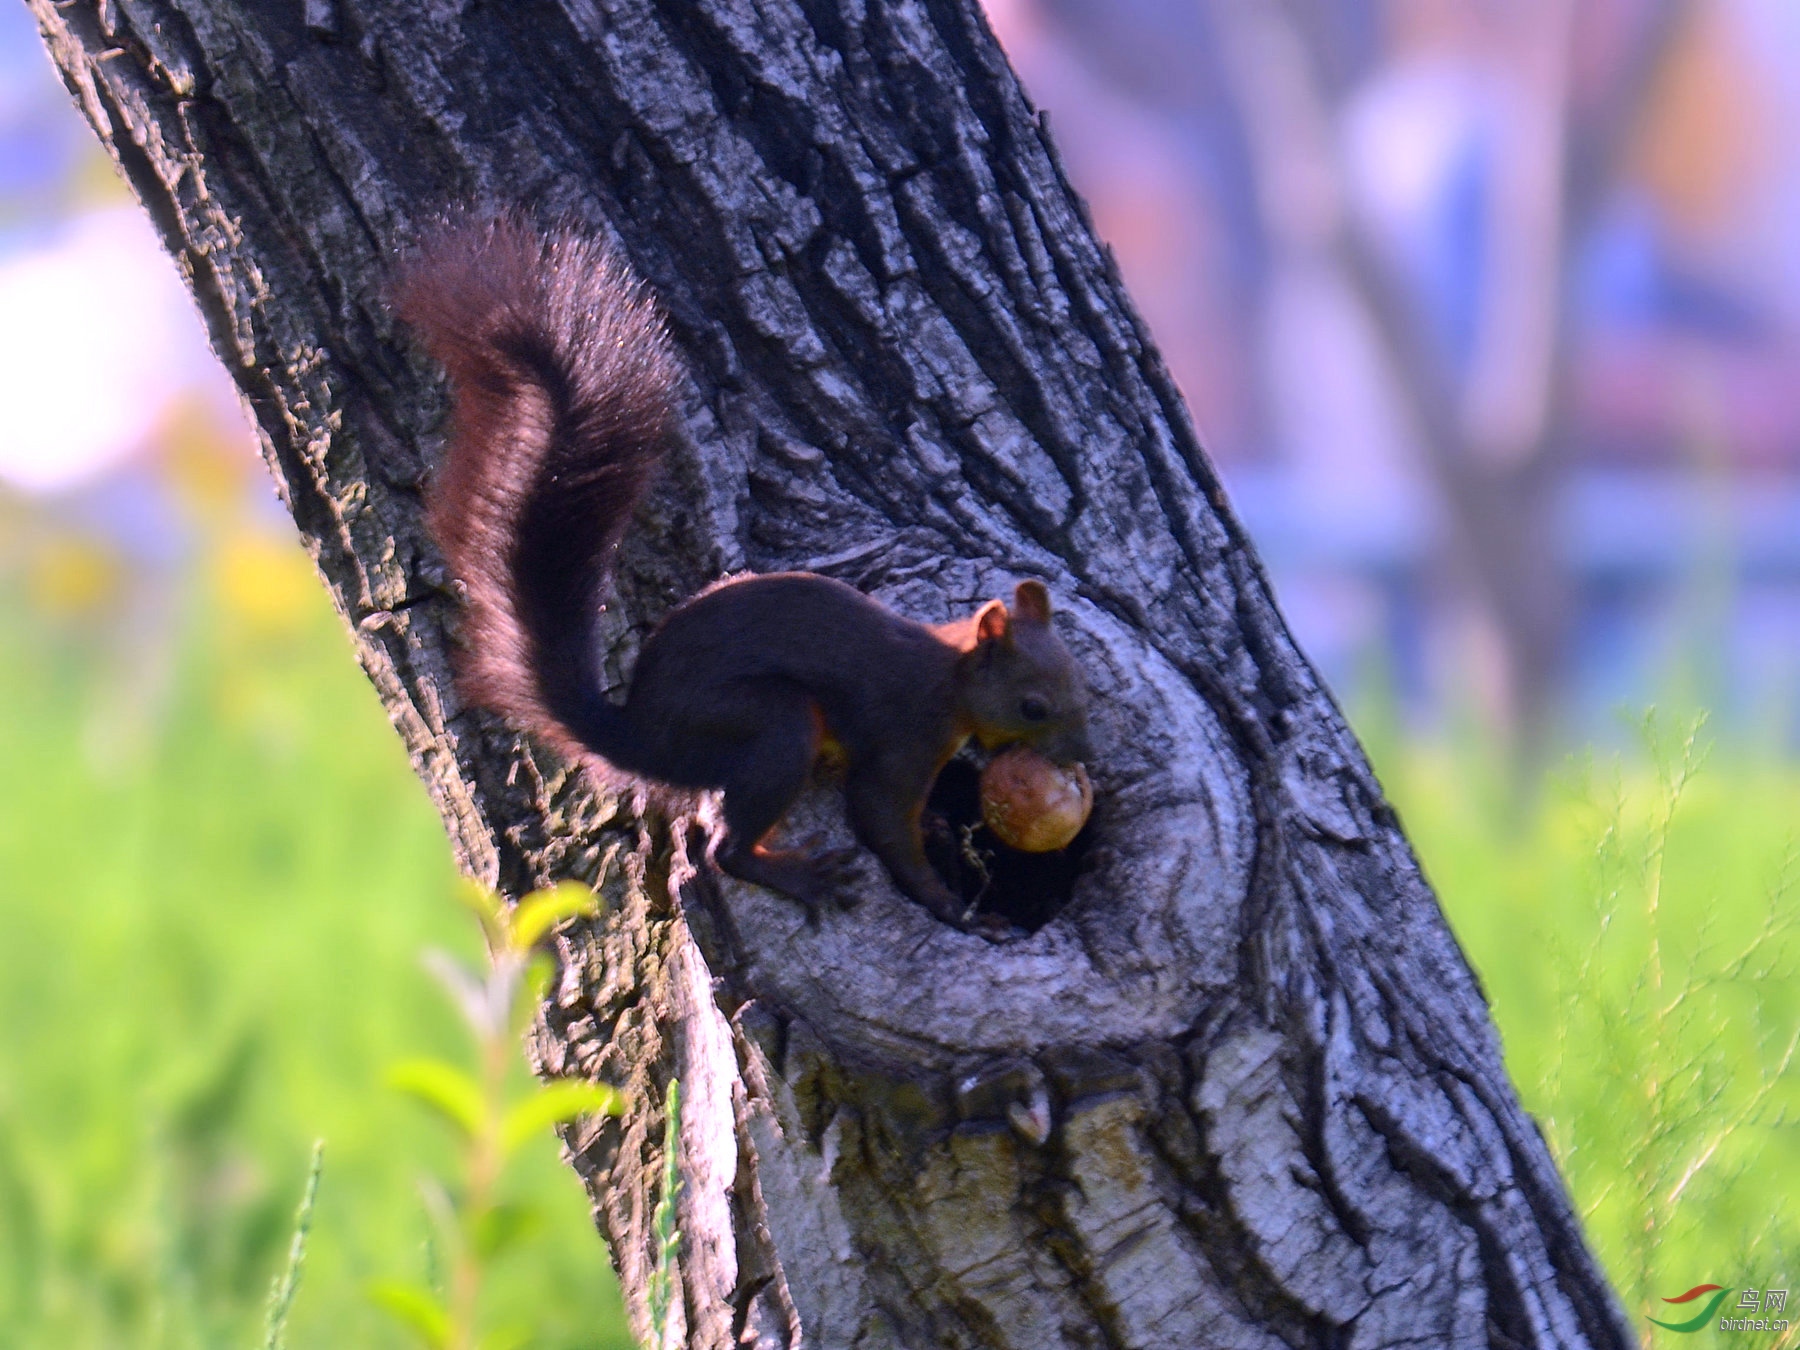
column 564, row 388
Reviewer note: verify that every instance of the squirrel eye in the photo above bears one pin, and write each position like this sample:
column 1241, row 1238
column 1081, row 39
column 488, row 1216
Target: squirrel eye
column 1033, row 709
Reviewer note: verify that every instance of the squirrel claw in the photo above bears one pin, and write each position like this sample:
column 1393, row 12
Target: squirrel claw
column 820, row 875
column 994, row 928
column 838, row 875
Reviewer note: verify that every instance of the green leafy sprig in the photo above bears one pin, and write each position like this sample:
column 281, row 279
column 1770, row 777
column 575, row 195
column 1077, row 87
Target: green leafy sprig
column 471, row 1222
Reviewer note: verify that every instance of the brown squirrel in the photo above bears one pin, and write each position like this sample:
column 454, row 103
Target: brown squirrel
column 563, row 402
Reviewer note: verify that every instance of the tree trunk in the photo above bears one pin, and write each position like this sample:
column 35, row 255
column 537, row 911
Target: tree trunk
column 1242, row 1090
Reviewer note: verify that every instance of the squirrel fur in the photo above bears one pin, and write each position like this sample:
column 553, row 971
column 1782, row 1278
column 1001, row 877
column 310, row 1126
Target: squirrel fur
column 564, row 391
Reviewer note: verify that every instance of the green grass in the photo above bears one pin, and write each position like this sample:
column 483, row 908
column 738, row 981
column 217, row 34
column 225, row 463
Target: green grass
column 217, row 874
column 1635, row 933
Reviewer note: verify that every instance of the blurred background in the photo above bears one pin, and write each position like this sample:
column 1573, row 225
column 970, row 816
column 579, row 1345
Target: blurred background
column 1488, row 314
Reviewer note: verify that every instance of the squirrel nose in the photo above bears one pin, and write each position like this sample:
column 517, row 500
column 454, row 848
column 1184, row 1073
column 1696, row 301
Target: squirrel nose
column 1070, row 745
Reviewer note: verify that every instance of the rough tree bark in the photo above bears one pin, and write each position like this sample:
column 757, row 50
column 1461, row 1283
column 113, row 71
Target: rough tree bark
column 1242, row 1090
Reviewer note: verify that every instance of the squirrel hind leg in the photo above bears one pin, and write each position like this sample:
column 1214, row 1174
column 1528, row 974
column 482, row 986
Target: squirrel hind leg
column 766, row 773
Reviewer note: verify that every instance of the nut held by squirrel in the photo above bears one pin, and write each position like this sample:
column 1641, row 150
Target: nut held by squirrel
column 1033, row 804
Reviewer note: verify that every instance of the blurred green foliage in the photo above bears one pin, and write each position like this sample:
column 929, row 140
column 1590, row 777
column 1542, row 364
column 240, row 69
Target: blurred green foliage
column 1635, row 931
column 217, row 875
column 478, row 1223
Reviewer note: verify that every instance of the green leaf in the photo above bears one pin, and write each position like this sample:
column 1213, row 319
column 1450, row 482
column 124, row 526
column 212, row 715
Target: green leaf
column 486, row 907
column 531, row 987
column 415, row 1307
column 501, row 1227
column 444, row 1088
column 555, row 1103
column 537, row 914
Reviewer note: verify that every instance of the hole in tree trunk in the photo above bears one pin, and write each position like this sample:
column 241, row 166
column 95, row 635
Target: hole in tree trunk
column 1027, row 890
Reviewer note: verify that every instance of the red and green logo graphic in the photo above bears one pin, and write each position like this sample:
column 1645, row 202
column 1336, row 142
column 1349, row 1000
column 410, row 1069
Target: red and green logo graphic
column 1719, row 1294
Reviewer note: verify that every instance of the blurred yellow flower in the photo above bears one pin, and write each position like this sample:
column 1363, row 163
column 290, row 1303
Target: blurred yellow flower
column 97, row 183
column 266, row 583
column 204, row 462
column 69, row 576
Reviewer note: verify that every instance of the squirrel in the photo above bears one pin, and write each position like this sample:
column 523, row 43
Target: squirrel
column 564, row 388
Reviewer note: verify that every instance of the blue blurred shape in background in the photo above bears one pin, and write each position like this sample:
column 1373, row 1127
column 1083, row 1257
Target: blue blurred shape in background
column 1489, row 315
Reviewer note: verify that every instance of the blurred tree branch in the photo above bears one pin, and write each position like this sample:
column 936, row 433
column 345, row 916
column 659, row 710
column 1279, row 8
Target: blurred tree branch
column 1495, row 436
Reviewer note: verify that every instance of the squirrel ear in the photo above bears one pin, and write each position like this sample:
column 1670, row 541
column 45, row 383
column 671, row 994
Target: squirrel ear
column 1032, row 601
column 992, row 623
